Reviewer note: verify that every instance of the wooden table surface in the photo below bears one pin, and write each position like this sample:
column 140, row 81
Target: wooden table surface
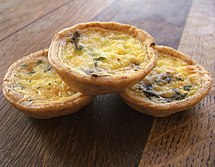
column 108, row 132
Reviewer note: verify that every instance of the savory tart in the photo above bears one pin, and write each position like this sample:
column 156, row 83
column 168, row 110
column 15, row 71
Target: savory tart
column 33, row 86
column 176, row 83
column 102, row 57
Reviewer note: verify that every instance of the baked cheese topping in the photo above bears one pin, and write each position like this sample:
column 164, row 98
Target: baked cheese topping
column 103, row 52
column 39, row 83
column 172, row 79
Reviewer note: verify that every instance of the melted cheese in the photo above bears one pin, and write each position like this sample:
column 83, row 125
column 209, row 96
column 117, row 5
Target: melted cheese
column 103, row 51
column 172, row 79
column 39, row 83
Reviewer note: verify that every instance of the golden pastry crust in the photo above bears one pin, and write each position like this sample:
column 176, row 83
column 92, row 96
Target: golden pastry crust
column 154, row 107
column 112, row 81
column 25, row 87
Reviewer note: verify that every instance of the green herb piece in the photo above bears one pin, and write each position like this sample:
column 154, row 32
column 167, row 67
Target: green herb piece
column 47, row 69
column 179, row 78
column 158, row 80
column 178, row 95
column 31, row 73
column 75, row 39
column 148, row 91
column 187, row 87
column 99, row 75
column 39, row 62
column 135, row 66
column 168, row 80
column 99, row 58
column 164, row 78
column 24, row 66
column 96, row 64
column 75, row 36
column 152, row 94
column 30, row 100
column 95, row 72
column 88, row 71
column 95, row 75
column 79, row 47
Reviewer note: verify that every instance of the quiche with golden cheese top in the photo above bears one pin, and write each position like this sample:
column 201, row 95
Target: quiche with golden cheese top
column 175, row 84
column 102, row 57
column 34, row 87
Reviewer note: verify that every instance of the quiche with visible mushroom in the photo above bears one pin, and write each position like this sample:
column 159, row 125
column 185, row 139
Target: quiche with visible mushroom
column 102, row 57
column 33, row 86
column 175, row 84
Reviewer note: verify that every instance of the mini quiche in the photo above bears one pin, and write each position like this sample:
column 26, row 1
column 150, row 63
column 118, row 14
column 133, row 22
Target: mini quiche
column 33, row 87
column 102, row 57
column 176, row 83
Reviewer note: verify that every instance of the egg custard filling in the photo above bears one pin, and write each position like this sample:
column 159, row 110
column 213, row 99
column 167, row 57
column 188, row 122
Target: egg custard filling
column 38, row 82
column 172, row 79
column 102, row 52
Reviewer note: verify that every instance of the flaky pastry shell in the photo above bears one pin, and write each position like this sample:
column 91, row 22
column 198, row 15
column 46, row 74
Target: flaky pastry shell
column 90, row 83
column 147, row 106
column 34, row 105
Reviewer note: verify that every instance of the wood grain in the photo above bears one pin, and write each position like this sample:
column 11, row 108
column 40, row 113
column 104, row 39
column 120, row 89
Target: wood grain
column 13, row 20
column 162, row 19
column 187, row 138
column 91, row 137
column 105, row 133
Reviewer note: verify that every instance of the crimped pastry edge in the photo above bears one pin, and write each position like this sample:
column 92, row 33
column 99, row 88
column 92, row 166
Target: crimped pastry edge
column 166, row 109
column 100, row 85
column 42, row 111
